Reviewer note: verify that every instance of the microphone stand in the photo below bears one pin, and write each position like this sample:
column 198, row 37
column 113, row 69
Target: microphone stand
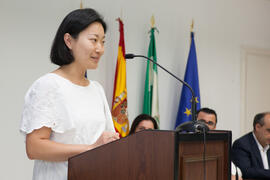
column 189, row 126
column 186, row 126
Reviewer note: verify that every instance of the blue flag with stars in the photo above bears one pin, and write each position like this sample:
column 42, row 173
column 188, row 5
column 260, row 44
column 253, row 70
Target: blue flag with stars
column 191, row 77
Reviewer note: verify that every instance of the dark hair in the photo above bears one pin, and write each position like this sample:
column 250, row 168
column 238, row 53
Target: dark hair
column 208, row 111
column 140, row 118
column 75, row 22
column 259, row 119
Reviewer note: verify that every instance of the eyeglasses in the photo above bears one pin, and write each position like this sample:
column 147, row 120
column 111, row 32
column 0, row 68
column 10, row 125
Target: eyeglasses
column 210, row 123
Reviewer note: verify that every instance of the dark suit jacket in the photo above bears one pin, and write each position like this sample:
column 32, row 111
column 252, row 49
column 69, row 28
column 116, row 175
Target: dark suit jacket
column 246, row 155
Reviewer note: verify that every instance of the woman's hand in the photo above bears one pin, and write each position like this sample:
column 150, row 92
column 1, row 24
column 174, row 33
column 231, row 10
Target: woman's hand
column 106, row 137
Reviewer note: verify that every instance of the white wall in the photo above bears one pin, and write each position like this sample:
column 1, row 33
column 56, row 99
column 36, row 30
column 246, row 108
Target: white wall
column 27, row 29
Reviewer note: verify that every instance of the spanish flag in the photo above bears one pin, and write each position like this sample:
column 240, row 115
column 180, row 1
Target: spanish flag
column 119, row 102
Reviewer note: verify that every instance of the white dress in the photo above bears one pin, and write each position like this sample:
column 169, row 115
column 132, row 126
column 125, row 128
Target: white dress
column 76, row 114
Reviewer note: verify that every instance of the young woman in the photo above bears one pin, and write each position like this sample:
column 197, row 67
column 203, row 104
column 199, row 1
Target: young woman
column 64, row 113
column 143, row 122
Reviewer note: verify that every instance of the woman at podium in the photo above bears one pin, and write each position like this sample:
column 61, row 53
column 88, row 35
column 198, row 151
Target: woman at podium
column 65, row 113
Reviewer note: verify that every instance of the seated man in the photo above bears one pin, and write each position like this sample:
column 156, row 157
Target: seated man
column 208, row 116
column 142, row 122
column 250, row 152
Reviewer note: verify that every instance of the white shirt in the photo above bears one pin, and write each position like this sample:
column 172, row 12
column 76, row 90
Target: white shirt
column 233, row 170
column 76, row 114
column 263, row 152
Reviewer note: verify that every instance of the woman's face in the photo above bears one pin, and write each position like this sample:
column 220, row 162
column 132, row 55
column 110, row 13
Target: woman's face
column 143, row 125
column 88, row 47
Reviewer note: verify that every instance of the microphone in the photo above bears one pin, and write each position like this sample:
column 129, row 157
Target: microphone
column 190, row 126
column 129, row 56
column 201, row 126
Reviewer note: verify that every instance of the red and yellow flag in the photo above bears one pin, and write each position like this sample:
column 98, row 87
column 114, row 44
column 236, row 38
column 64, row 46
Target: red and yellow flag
column 119, row 102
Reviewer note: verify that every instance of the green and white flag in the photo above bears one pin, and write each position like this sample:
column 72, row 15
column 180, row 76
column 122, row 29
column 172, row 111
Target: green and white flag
column 150, row 104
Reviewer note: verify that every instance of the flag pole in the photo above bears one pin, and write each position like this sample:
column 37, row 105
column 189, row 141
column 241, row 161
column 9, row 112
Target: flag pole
column 121, row 14
column 191, row 29
column 193, row 103
column 192, row 25
column 81, row 5
column 152, row 20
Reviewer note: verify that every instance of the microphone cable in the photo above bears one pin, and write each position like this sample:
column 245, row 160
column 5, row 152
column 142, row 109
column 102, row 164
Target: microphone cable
column 204, row 154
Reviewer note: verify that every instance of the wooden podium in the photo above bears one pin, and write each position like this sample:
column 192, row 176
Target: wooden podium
column 156, row 155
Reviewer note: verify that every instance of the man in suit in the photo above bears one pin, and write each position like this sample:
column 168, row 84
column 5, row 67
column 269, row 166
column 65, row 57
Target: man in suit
column 207, row 116
column 251, row 152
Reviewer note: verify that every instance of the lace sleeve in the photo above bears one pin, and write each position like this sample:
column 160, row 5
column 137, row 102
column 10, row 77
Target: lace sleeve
column 44, row 106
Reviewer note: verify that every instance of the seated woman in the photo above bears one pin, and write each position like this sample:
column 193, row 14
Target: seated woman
column 142, row 122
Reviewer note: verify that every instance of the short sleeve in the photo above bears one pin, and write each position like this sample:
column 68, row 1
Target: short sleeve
column 109, row 121
column 44, row 106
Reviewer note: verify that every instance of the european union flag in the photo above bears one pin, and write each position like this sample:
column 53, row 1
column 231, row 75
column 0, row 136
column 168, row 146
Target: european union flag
column 191, row 77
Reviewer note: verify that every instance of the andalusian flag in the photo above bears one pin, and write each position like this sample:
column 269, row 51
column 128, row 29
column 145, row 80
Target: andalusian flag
column 119, row 104
column 150, row 105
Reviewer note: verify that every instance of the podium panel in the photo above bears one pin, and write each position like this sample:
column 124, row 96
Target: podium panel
column 157, row 155
column 192, row 161
column 193, row 168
